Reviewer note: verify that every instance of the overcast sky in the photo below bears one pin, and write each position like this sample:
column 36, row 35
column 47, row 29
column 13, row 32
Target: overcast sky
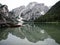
column 16, row 3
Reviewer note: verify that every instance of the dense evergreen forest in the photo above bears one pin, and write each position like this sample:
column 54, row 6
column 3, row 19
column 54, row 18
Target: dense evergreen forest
column 53, row 15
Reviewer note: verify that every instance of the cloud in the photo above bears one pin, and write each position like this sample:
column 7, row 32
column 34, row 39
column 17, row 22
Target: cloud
column 16, row 3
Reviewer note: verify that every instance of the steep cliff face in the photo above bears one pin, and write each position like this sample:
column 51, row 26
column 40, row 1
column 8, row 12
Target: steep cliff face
column 29, row 13
column 17, row 11
column 32, row 11
column 3, row 12
column 7, row 18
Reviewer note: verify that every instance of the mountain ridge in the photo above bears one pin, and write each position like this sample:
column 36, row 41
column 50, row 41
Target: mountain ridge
column 53, row 15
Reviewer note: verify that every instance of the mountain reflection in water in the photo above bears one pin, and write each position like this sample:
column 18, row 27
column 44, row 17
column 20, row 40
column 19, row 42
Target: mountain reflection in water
column 30, row 34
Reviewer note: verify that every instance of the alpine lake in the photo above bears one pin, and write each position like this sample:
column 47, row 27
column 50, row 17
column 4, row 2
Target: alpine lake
column 31, row 34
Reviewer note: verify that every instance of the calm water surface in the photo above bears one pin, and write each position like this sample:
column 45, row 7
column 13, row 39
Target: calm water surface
column 31, row 34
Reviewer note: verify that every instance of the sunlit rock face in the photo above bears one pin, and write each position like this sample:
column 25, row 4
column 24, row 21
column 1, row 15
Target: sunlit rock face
column 16, row 14
column 33, row 11
column 17, row 11
column 29, row 13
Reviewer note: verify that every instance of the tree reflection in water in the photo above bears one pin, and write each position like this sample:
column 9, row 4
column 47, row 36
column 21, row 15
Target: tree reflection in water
column 31, row 32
